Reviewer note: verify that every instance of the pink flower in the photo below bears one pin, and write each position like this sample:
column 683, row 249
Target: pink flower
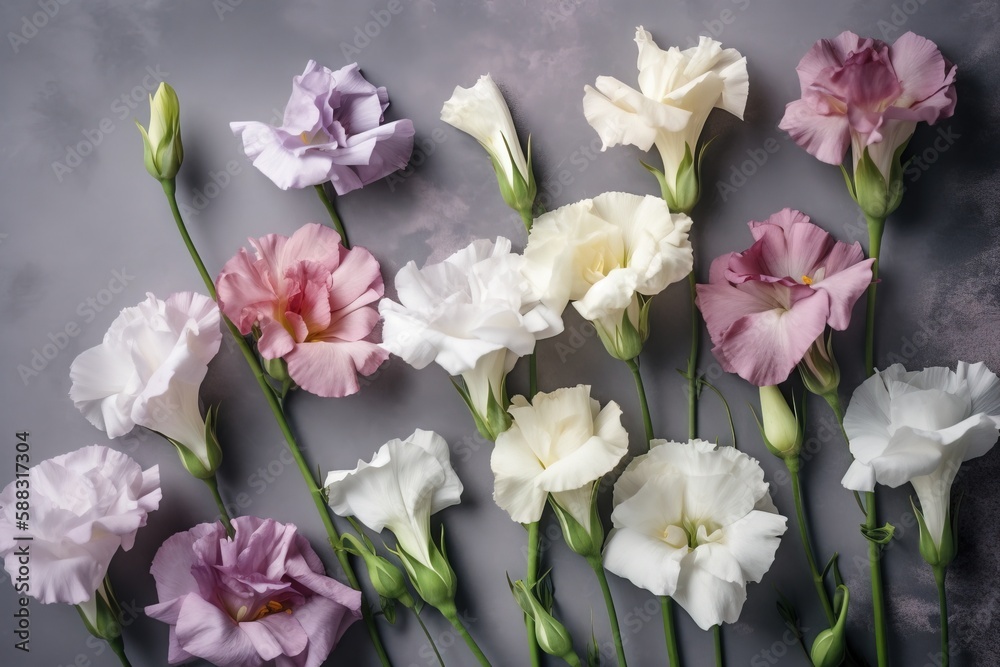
column 311, row 298
column 259, row 597
column 765, row 306
column 867, row 94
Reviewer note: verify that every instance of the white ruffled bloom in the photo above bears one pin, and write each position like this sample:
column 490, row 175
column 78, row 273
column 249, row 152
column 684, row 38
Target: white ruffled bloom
column 694, row 522
column 560, row 444
column 677, row 91
column 919, row 427
column 473, row 314
column 405, row 482
column 148, row 370
column 84, row 506
column 609, row 254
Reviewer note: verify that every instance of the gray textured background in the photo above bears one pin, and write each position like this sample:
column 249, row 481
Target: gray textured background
column 65, row 234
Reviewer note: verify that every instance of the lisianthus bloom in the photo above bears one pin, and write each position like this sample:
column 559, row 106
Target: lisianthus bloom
column 765, row 306
column 694, row 522
column 609, row 255
column 482, row 112
column 919, row 427
column 868, row 95
column 333, row 131
column 147, row 372
column 261, row 596
column 560, row 443
column 405, row 482
column 473, row 314
column 312, row 299
column 677, row 91
column 83, row 506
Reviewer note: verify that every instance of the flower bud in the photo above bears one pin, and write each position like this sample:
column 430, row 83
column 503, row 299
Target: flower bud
column 830, row 646
column 552, row 636
column 779, row 426
column 276, row 368
column 162, row 149
column 819, row 369
column 386, row 578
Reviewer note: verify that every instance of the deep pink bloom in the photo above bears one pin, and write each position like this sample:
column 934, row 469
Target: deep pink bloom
column 866, row 92
column 312, row 299
column 259, row 597
column 332, row 131
column 765, row 306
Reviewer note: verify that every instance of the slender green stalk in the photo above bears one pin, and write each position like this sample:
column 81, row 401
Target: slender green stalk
column 817, row 574
column 717, row 637
column 573, row 660
column 430, row 640
column 692, row 371
column 633, row 365
column 337, row 224
column 875, row 229
column 273, row 402
column 878, row 594
column 451, row 613
column 940, row 573
column 118, row 646
column 213, row 485
column 531, row 580
column 527, row 218
column 616, row 633
column 669, row 631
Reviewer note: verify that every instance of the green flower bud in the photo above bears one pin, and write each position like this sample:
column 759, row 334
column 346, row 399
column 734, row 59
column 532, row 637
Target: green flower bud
column 819, row 369
column 830, row 646
column 779, row 426
column 552, row 636
column 162, row 148
column 276, row 368
column 386, row 578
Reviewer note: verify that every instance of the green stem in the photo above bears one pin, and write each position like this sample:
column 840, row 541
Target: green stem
column 940, row 572
column 633, row 365
column 430, row 640
column 531, row 580
column 452, row 615
column 337, row 224
column 118, row 646
column 669, row 631
column 616, row 633
column 213, row 485
column 878, row 595
column 527, row 218
column 315, row 493
column 817, row 574
column 572, row 659
column 875, row 228
column 717, row 637
column 692, row 370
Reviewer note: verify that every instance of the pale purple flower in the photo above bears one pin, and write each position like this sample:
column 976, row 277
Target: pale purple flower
column 332, row 131
column 259, row 597
column 765, row 307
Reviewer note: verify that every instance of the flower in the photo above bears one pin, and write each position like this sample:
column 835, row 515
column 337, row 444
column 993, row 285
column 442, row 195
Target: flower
column 481, row 112
column 84, row 506
column 608, row 255
column 678, row 91
column 406, row 482
column 780, row 428
column 560, row 443
column 244, row 602
column 161, row 144
column 148, row 371
column 311, row 298
column 919, row 427
column 765, row 306
column 474, row 314
column 868, row 95
column 694, row 522
column 332, row 131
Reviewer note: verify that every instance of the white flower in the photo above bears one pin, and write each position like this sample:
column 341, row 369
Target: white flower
column 603, row 253
column 148, row 370
column 919, row 427
column 678, row 90
column 474, row 314
column 406, row 482
column 83, row 506
column 560, row 443
column 694, row 522
column 481, row 112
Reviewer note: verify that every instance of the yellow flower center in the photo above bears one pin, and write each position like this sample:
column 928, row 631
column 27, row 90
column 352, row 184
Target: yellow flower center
column 806, row 280
column 271, row 607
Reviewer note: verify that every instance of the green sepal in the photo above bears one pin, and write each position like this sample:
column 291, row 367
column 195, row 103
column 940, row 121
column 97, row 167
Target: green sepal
column 192, row 462
column 496, row 420
column 935, row 556
column 625, row 341
column 552, row 636
column 874, row 195
column 435, row 583
column 519, row 194
column 101, row 615
column 880, row 536
column 585, row 543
